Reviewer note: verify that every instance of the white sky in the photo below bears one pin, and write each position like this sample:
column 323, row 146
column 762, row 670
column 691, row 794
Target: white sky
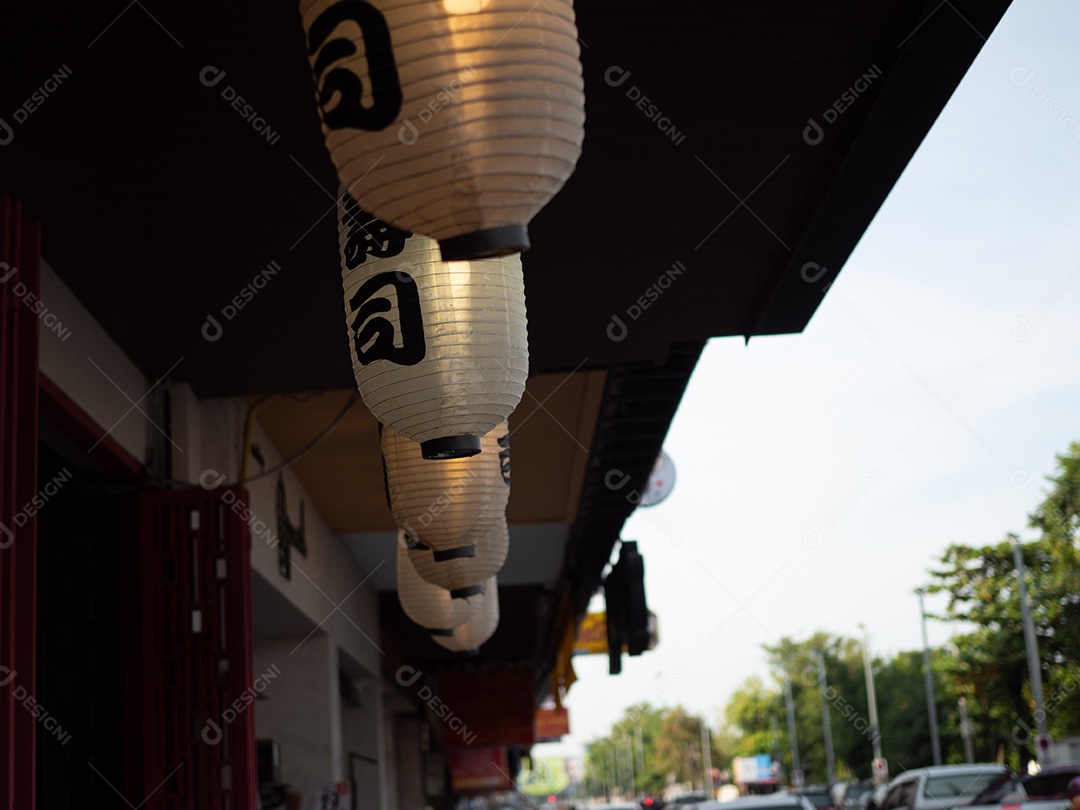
column 983, row 225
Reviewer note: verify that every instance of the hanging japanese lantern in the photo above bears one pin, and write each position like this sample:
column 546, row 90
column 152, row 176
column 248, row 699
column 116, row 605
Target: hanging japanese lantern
column 457, row 119
column 430, row 606
column 441, row 505
column 463, row 570
column 440, row 350
column 468, row 637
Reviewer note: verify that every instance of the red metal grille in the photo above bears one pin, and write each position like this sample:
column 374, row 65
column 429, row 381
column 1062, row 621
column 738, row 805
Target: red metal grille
column 20, row 248
column 196, row 652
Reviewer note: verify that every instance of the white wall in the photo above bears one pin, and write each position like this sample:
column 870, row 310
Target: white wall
column 81, row 358
column 299, row 711
column 362, row 732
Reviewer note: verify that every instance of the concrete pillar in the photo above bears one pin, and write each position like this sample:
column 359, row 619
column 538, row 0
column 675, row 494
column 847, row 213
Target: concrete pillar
column 363, row 738
column 303, row 709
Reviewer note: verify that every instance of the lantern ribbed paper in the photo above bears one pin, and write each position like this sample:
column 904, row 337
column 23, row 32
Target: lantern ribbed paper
column 439, row 349
column 464, row 575
column 442, row 504
column 469, row 636
column 457, row 119
column 429, row 605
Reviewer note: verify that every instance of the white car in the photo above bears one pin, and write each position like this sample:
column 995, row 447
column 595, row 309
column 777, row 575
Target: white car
column 771, row 801
column 940, row 787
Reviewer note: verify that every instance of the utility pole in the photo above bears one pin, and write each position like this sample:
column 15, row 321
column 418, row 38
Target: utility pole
column 1042, row 742
column 871, row 697
column 826, row 719
column 965, row 732
column 640, row 751
column 796, row 768
column 613, row 781
column 931, row 704
column 706, row 760
column 630, row 762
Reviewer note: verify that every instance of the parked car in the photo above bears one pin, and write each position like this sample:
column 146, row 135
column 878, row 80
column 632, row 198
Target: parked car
column 940, row 787
column 773, row 801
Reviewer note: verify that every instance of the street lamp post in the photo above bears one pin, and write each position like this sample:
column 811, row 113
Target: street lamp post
column 1034, row 671
column 706, row 761
column 796, row 768
column 871, row 698
column 931, row 705
column 965, row 732
column 826, row 720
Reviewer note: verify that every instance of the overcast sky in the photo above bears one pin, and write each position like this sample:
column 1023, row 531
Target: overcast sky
column 934, row 385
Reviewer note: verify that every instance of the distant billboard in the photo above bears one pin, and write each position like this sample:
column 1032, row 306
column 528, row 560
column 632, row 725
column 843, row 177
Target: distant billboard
column 758, row 768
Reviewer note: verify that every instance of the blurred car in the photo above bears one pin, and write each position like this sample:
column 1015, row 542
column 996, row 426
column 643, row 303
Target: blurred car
column 693, row 797
column 1047, row 785
column 848, row 794
column 819, row 795
column 940, row 787
column 773, row 801
column 873, row 799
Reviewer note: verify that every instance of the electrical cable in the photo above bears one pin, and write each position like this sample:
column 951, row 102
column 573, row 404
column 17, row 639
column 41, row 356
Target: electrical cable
column 299, row 454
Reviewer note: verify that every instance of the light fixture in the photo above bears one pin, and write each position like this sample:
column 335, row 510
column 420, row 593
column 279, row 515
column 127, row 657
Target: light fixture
column 468, row 637
column 457, row 119
column 462, row 571
column 430, row 606
column 447, row 506
column 439, row 349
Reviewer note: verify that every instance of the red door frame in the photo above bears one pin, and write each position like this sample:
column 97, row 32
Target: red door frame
column 20, row 251
column 225, row 773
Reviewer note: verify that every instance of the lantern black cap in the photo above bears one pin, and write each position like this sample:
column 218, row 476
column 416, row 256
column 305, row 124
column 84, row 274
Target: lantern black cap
column 450, row 447
column 467, row 591
column 485, row 244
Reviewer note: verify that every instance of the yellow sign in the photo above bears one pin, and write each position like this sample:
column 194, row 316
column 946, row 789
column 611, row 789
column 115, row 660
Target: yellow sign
column 592, row 636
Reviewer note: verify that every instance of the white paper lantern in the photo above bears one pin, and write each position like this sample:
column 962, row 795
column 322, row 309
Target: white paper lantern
column 464, row 570
column 439, row 349
column 468, row 637
column 443, row 504
column 457, row 119
column 430, row 606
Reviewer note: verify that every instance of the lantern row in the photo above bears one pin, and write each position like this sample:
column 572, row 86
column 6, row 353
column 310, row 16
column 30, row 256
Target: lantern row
column 451, row 123
column 453, row 537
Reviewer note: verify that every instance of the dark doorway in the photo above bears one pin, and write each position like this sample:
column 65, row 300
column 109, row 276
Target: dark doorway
column 83, row 627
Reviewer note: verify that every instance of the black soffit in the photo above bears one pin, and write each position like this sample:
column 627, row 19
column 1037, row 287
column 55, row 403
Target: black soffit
column 699, row 203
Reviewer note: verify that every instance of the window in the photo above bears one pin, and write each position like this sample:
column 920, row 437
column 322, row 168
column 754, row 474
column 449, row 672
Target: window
column 946, row 790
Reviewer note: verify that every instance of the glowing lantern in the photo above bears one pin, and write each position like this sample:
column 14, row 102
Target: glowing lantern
column 463, row 570
column 442, row 504
column 430, row 606
column 439, row 349
column 457, row 119
column 468, row 637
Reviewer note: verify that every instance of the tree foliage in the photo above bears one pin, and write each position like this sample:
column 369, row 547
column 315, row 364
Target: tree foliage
column 986, row 665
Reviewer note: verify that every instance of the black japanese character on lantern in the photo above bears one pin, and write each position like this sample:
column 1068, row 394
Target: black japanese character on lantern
column 366, row 236
column 504, row 457
column 374, row 336
column 349, row 112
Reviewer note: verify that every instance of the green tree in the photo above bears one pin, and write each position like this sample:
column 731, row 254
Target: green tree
column 678, row 752
column 990, row 664
column 845, row 696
